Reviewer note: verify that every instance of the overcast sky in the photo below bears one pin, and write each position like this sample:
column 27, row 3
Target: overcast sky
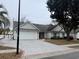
column 34, row 10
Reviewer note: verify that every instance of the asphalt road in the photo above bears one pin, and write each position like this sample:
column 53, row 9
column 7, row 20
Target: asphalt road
column 74, row 55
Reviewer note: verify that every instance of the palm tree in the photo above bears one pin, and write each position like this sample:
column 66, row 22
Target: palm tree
column 3, row 19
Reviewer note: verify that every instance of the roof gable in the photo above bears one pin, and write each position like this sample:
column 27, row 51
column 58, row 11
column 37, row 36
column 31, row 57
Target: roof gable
column 28, row 25
column 58, row 28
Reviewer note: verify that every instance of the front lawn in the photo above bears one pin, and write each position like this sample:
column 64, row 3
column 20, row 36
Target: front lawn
column 62, row 41
column 5, row 48
column 10, row 56
column 76, row 47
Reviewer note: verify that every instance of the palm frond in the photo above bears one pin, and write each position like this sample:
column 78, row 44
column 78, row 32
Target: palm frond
column 3, row 12
column 3, row 18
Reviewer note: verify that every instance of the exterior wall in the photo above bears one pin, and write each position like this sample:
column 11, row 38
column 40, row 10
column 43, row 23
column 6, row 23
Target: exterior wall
column 60, row 35
column 49, row 35
column 37, row 35
column 77, row 35
column 57, row 34
column 25, row 34
column 46, row 35
column 52, row 34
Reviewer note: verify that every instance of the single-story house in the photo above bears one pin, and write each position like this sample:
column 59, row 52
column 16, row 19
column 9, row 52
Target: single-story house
column 30, row 30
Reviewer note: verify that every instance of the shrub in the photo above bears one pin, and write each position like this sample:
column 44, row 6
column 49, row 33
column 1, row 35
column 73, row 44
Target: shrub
column 56, row 38
column 70, row 37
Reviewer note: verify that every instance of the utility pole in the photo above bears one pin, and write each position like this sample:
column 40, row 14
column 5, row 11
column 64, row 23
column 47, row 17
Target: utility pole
column 18, row 30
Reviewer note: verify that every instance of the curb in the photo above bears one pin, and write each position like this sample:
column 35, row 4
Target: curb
column 23, row 56
column 8, row 51
column 70, row 45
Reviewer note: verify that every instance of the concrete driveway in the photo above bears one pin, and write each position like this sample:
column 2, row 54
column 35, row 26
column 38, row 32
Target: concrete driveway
column 35, row 47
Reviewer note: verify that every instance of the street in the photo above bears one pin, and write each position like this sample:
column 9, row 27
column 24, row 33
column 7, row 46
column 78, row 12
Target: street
column 74, row 55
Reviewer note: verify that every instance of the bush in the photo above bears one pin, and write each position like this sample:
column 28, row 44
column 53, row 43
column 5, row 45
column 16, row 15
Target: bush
column 70, row 37
column 52, row 38
column 77, row 38
column 65, row 37
column 56, row 38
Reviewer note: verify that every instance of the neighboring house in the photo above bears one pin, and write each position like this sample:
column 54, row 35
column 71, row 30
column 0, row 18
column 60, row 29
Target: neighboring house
column 30, row 30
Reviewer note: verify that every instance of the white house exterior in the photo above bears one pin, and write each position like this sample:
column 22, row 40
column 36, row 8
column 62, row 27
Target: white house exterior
column 77, row 36
column 30, row 31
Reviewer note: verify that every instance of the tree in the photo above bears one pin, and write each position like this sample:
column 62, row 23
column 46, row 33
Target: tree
column 66, row 13
column 3, row 19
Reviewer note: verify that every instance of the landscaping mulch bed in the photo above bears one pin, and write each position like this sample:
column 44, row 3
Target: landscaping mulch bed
column 76, row 47
column 5, row 48
column 62, row 41
column 10, row 55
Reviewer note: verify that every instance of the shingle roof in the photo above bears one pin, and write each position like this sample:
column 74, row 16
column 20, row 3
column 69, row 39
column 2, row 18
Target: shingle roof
column 51, row 27
column 41, row 27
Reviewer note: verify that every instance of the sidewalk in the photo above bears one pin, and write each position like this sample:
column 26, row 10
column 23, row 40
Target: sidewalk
column 70, row 45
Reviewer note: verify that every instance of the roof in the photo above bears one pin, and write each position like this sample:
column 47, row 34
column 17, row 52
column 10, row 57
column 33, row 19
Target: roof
column 51, row 27
column 41, row 27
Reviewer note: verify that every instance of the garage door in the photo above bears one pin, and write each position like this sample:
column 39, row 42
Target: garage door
column 28, row 35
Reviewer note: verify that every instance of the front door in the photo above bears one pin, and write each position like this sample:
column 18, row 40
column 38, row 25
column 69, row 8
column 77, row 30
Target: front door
column 41, row 35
